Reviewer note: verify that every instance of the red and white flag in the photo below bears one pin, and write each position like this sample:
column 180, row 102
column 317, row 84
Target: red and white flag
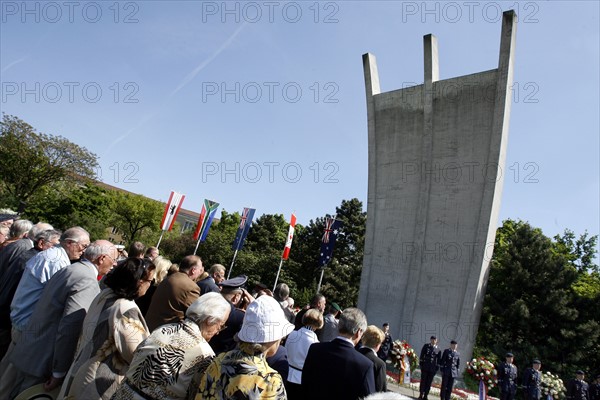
column 288, row 243
column 171, row 211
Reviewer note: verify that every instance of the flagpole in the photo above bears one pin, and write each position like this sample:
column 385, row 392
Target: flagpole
column 197, row 244
column 277, row 277
column 232, row 261
column 320, row 279
column 160, row 238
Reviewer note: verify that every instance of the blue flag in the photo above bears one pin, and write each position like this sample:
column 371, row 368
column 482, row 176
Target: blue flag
column 243, row 229
column 328, row 241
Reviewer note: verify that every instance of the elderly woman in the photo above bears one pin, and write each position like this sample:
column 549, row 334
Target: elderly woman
column 297, row 345
column 112, row 330
column 168, row 364
column 243, row 373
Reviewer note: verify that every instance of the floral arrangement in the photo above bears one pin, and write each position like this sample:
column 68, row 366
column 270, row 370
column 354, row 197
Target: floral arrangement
column 483, row 370
column 552, row 385
column 401, row 348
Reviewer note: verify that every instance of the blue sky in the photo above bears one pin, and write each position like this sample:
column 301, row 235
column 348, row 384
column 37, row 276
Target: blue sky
column 262, row 104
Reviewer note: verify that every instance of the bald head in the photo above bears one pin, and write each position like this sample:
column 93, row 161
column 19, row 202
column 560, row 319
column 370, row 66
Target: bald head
column 38, row 228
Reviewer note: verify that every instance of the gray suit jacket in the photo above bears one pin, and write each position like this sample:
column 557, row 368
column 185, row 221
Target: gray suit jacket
column 49, row 341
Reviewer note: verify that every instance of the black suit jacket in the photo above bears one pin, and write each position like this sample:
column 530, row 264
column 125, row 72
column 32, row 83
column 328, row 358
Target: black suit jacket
column 379, row 369
column 208, row 285
column 335, row 370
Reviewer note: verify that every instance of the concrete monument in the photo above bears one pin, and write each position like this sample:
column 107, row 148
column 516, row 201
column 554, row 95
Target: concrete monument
column 436, row 162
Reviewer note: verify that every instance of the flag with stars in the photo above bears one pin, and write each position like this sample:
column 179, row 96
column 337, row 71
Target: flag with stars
column 209, row 209
column 171, row 210
column 332, row 226
column 243, row 229
column 288, row 242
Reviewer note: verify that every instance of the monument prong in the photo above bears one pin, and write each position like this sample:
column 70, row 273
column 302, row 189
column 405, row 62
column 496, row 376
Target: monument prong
column 431, row 61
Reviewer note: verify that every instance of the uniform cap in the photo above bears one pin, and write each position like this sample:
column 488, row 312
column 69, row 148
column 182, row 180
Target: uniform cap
column 433, row 337
column 234, row 283
column 580, row 372
column 453, row 342
column 509, row 355
column 536, row 361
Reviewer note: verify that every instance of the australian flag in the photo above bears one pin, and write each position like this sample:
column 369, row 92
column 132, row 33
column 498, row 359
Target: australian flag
column 332, row 226
column 243, row 229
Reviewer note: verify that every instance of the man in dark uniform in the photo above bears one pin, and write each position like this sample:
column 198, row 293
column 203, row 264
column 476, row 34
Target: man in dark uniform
column 428, row 363
column 449, row 364
column 386, row 346
column 507, row 378
column 532, row 381
column 232, row 291
column 577, row 389
column 595, row 389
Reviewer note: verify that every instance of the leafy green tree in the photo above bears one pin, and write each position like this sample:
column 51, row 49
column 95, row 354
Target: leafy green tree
column 66, row 204
column 580, row 251
column 540, row 303
column 135, row 215
column 341, row 278
column 31, row 160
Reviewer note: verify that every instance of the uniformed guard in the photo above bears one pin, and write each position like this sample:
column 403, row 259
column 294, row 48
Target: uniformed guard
column 595, row 389
column 532, row 381
column 388, row 343
column 238, row 297
column 577, row 389
column 449, row 364
column 428, row 363
column 507, row 378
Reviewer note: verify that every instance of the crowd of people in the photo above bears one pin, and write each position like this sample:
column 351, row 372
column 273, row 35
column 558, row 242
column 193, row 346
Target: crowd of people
column 90, row 320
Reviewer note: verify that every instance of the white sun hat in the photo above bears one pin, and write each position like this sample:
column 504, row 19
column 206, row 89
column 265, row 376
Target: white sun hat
column 264, row 322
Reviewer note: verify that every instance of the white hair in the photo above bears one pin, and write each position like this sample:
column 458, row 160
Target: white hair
column 210, row 307
column 20, row 227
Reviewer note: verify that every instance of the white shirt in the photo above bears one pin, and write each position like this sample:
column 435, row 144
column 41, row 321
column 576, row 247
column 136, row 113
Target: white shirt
column 297, row 345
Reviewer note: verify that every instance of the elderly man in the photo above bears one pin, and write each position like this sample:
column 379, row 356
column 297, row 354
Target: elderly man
column 13, row 267
column 47, row 345
column 18, row 230
column 175, row 294
column 41, row 268
column 335, row 370
column 216, row 275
